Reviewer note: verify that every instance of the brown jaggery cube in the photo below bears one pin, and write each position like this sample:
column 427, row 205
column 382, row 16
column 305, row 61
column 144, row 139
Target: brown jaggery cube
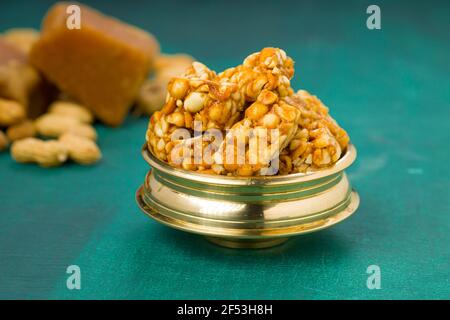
column 102, row 65
column 21, row 82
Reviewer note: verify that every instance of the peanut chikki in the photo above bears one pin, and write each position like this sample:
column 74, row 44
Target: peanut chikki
column 319, row 141
column 217, row 101
column 244, row 104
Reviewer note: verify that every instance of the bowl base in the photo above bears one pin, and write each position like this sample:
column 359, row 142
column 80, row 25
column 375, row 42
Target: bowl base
column 236, row 243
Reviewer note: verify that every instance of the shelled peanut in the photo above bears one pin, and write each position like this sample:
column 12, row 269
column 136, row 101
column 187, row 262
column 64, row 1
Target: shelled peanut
column 21, row 130
column 67, row 121
column 45, row 153
column 54, row 125
column 52, row 153
column 71, row 110
column 11, row 112
column 152, row 94
column 21, row 38
column 81, row 149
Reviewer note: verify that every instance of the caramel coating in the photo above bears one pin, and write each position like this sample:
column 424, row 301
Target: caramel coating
column 238, row 103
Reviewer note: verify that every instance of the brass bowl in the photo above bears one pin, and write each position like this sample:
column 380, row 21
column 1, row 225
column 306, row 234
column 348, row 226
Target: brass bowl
column 256, row 212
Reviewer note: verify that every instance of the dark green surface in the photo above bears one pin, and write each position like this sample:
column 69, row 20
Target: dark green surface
column 390, row 89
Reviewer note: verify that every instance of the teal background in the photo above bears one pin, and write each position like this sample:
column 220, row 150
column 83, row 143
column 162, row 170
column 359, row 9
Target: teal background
column 389, row 88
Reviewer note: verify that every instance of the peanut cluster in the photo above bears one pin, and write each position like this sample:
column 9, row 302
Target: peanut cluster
column 69, row 124
column 244, row 103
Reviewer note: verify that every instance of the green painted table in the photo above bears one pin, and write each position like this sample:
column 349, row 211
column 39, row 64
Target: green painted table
column 389, row 88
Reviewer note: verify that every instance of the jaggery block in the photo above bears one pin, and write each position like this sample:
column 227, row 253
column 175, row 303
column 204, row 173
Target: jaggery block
column 102, row 65
column 21, row 82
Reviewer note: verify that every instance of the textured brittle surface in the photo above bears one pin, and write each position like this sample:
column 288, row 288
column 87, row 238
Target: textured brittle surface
column 239, row 102
column 217, row 101
column 319, row 141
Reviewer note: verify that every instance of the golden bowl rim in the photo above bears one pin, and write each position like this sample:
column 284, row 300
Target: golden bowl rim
column 344, row 162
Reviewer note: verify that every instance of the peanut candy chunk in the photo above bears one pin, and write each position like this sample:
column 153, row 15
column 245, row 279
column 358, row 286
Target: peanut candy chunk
column 186, row 97
column 217, row 101
column 265, row 127
column 256, row 141
column 319, row 141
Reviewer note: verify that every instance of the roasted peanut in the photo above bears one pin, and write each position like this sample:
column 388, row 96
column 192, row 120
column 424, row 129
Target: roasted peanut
column 169, row 66
column 83, row 130
column 151, row 96
column 267, row 97
column 72, row 110
column 195, row 102
column 319, row 141
column 270, row 121
column 11, row 112
column 45, row 153
column 81, row 150
column 256, row 111
column 178, row 88
column 216, row 112
column 54, row 125
column 21, row 38
column 21, row 130
column 245, row 170
column 176, row 118
column 286, row 112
